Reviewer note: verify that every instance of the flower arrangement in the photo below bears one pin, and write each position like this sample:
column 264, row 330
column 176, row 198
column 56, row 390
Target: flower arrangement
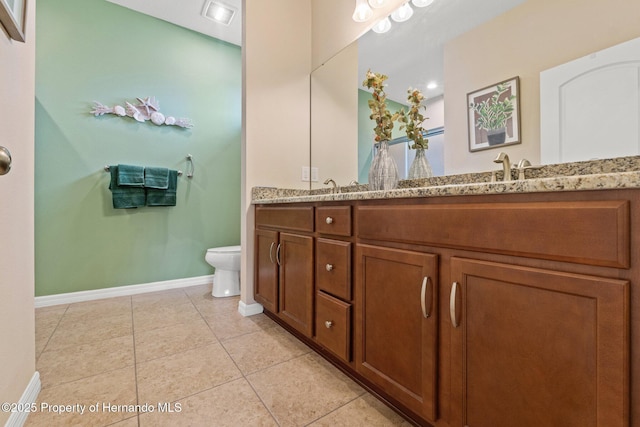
column 493, row 113
column 414, row 119
column 378, row 105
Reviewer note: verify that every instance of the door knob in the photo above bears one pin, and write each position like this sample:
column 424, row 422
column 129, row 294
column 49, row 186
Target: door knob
column 5, row 161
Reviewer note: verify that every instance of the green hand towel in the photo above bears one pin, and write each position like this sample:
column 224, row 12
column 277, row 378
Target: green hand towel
column 156, row 178
column 131, row 176
column 158, row 197
column 125, row 196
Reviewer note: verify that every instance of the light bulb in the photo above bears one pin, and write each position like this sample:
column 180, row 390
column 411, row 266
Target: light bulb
column 362, row 12
column 376, row 3
column 421, row 3
column 382, row 26
column 403, row 13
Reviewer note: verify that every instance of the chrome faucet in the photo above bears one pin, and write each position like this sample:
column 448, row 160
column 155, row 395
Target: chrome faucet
column 506, row 165
column 333, row 183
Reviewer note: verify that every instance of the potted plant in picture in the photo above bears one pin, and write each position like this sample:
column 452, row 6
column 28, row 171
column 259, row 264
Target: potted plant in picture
column 493, row 113
column 413, row 126
column 383, row 173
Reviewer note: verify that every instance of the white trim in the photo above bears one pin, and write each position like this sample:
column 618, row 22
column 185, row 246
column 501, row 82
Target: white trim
column 29, row 397
column 249, row 309
column 119, row 291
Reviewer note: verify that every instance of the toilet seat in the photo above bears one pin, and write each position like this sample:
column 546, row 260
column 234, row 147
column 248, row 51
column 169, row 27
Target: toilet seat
column 225, row 249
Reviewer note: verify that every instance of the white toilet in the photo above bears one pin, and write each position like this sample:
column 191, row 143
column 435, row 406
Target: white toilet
column 226, row 280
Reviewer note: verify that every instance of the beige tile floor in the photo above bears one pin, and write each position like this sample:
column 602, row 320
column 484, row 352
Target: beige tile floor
column 130, row 361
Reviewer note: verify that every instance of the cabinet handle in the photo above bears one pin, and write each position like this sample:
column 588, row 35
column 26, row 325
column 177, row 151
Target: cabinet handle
column 452, row 305
column 426, row 306
column 328, row 324
column 271, row 252
column 329, row 220
column 278, row 254
column 329, row 267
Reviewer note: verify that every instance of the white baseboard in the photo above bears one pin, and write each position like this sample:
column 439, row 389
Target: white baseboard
column 119, row 291
column 249, row 309
column 30, row 395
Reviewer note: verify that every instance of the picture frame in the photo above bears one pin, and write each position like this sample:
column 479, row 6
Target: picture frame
column 12, row 18
column 494, row 115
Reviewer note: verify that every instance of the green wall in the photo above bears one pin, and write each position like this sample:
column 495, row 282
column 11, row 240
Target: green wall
column 94, row 50
column 366, row 133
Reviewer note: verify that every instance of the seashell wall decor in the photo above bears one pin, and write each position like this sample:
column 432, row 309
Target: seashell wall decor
column 146, row 109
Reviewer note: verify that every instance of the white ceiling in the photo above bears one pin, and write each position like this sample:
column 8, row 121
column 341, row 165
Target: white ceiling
column 188, row 14
column 411, row 53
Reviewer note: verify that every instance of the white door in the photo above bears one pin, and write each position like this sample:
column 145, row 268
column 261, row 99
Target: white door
column 590, row 107
column 17, row 337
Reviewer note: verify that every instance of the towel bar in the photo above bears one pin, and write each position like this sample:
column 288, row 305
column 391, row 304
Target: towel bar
column 107, row 169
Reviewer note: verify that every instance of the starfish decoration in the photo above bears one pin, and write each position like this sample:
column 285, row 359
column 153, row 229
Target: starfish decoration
column 147, row 109
column 148, row 103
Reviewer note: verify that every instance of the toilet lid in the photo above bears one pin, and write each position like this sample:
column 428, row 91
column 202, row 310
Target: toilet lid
column 225, row 249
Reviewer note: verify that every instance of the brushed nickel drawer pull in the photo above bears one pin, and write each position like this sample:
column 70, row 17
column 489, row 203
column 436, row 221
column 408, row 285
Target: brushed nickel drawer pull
column 328, row 324
column 452, row 305
column 329, row 220
column 271, row 252
column 426, row 305
column 329, row 267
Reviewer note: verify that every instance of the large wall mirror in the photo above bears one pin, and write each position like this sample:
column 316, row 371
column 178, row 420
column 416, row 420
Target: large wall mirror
column 412, row 55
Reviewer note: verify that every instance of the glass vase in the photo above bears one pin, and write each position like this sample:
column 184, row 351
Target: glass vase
column 420, row 168
column 383, row 174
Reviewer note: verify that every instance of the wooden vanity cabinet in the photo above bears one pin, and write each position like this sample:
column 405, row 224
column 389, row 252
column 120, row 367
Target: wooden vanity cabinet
column 535, row 347
column 333, row 280
column 284, row 264
column 396, row 324
column 478, row 311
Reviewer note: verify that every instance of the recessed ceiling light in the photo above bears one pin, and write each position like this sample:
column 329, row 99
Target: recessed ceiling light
column 218, row 12
column 432, row 85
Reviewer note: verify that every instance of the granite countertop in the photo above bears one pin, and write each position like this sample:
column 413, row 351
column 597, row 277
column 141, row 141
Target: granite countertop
column 621, row 172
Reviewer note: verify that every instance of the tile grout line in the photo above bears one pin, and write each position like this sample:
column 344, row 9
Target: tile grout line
column 243, row 376
column 135, row 361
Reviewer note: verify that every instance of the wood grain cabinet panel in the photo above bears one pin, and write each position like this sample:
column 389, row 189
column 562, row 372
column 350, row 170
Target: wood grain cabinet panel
column 296, row 281
column 333, row 325
column 395, row 341
column 537, row 347
column 586, row 232
column 265, row 288
column 295, row 218
column 333, row 267
column 334, row 220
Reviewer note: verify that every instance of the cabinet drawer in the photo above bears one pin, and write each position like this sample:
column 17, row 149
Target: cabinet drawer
column 333, row 325
column 585, row 232
column 297, row 218
column 333, row 267
column 334, row 220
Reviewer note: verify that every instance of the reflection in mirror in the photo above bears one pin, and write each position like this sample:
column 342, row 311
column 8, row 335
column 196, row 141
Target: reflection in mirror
column 411, row 54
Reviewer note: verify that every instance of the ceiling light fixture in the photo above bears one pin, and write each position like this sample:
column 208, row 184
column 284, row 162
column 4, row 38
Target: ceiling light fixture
column 382, row 26
column 402, row 13
column 218, row 12
column 432, row 85
column 362, row 12
column 377, row 3
column 421, row 3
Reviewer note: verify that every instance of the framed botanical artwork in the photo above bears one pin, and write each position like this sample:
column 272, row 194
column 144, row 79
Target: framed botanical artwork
column 12, row 14
column 494, row 115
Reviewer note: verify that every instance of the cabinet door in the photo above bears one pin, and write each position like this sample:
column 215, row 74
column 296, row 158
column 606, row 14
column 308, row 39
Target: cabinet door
column 535, row 347
column 296, row 281
column 396, row 324
column 266, row 280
